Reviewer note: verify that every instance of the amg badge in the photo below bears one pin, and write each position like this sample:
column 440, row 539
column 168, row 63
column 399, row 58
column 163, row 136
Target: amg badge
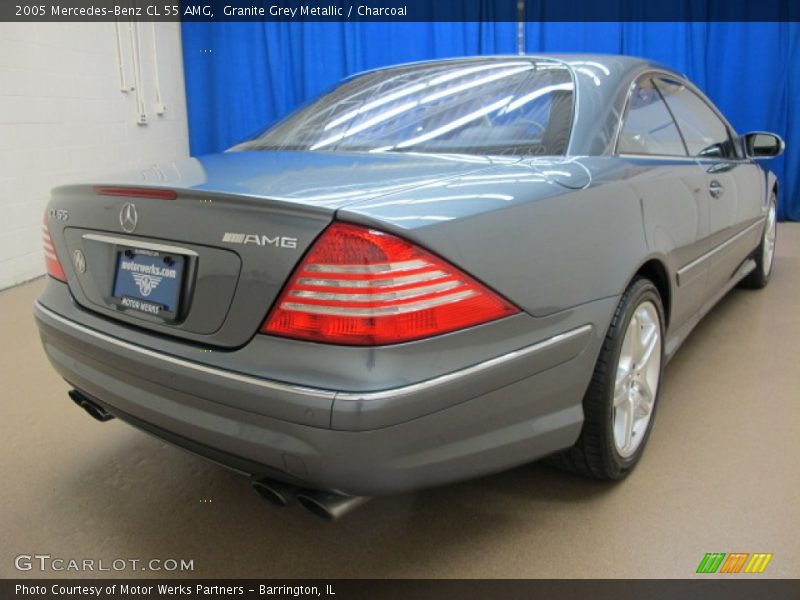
column 260, row 240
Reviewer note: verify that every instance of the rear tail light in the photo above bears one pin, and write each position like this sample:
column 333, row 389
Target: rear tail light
column 51, row 261
column 362, row 287
column 132, row 192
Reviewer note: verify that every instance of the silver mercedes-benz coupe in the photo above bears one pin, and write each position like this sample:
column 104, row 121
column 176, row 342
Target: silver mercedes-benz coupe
column 432, row 272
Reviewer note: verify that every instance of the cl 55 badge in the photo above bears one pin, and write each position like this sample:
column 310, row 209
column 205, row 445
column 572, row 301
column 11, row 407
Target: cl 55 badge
column 59, row 214
column 260, row 240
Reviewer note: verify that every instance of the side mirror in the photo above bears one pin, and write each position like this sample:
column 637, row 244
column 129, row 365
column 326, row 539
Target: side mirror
column 760, row 144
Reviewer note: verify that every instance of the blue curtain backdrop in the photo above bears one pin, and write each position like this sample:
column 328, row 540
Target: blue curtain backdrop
column 241, row 77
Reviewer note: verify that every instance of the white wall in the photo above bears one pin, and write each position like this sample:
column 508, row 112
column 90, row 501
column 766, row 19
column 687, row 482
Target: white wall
column 64, row 118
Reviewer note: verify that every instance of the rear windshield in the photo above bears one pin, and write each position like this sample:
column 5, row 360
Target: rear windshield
column 513, row 106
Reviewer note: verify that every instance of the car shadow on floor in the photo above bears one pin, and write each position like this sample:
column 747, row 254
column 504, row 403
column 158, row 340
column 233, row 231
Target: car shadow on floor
column 151, row 499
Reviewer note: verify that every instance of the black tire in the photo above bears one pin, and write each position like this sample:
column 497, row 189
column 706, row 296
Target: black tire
column 758, row 278
column 595, row 454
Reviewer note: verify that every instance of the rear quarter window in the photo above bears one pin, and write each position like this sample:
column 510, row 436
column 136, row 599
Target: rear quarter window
column 648, row 127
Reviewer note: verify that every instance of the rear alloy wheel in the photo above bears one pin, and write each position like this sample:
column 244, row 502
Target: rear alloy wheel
column 620, row 401
column 765, row 253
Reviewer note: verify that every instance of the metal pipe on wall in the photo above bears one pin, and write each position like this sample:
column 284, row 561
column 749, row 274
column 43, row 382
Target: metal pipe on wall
column 141, row 106
column 160, row 106
column 123, row 84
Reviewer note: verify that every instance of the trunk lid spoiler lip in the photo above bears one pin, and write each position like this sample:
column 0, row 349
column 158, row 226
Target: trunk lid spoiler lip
column 312, row 182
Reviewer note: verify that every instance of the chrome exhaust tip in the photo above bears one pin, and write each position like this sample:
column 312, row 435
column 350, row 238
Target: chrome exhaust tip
column 92, row 408
column 275, row 492
column 329, row 506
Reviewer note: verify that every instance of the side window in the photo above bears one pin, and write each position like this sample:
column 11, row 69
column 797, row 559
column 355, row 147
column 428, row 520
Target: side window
column 648, row 126
column 704, row 133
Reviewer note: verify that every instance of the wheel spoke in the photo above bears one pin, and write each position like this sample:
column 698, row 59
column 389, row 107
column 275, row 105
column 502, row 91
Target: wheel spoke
column 649, row 346
column 625, row 364
column 644, row 399
column 628, row 420
column 646, row 390
column 636, row 339
column 621, row 391
column 628, row 343
column 624, row 372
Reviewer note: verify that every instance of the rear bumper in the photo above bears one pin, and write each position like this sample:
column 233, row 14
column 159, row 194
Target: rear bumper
column 499, row 413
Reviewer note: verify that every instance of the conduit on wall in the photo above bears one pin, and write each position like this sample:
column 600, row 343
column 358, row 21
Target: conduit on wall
column 137, row 85
column 123, row 84
column 160, row 106
column 141, row 105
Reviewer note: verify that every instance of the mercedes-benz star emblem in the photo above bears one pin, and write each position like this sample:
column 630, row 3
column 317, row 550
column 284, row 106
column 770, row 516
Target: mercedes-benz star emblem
column 79, row 260
column 128, row 217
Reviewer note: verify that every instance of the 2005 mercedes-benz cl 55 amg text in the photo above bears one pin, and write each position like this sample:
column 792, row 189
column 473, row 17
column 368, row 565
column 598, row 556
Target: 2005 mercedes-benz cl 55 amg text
column 432, row 272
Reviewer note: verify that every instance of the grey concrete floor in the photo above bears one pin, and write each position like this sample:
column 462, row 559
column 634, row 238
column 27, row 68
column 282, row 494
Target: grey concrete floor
column 720, row 474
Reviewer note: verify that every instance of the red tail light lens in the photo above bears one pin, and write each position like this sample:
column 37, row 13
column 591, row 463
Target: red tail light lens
column 131, row 192
column 51, row 261
column 362, row 287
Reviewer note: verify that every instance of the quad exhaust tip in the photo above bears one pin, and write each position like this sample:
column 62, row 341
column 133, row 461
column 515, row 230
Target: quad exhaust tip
column 327, row 506
column 95, row 410
column 275, row 492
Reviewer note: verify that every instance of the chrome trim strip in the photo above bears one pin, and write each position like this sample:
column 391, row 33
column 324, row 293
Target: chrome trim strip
column 317, row 392
column 136, row 243
column 698, row 160
column 678, row 337
column 660, row 157
column 704, row 257
column 483, row 366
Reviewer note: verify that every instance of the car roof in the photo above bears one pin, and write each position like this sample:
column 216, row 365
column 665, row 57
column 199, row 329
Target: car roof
column 619, row 62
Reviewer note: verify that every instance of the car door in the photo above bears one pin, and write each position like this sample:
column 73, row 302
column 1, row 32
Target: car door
column 733, row 186
column 672, row 190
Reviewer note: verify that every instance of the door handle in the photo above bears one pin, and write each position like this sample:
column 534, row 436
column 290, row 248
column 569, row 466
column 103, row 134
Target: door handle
column 716, row 189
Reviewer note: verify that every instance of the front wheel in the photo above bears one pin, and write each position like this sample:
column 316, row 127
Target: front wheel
column 765, row 253
column 620, row 401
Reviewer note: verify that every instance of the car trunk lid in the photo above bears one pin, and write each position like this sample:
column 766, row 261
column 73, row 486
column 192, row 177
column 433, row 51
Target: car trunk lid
column 206, row 262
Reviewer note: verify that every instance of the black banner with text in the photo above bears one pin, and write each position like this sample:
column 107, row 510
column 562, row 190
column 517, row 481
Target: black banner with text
column 369, row 589
column 398, row 10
